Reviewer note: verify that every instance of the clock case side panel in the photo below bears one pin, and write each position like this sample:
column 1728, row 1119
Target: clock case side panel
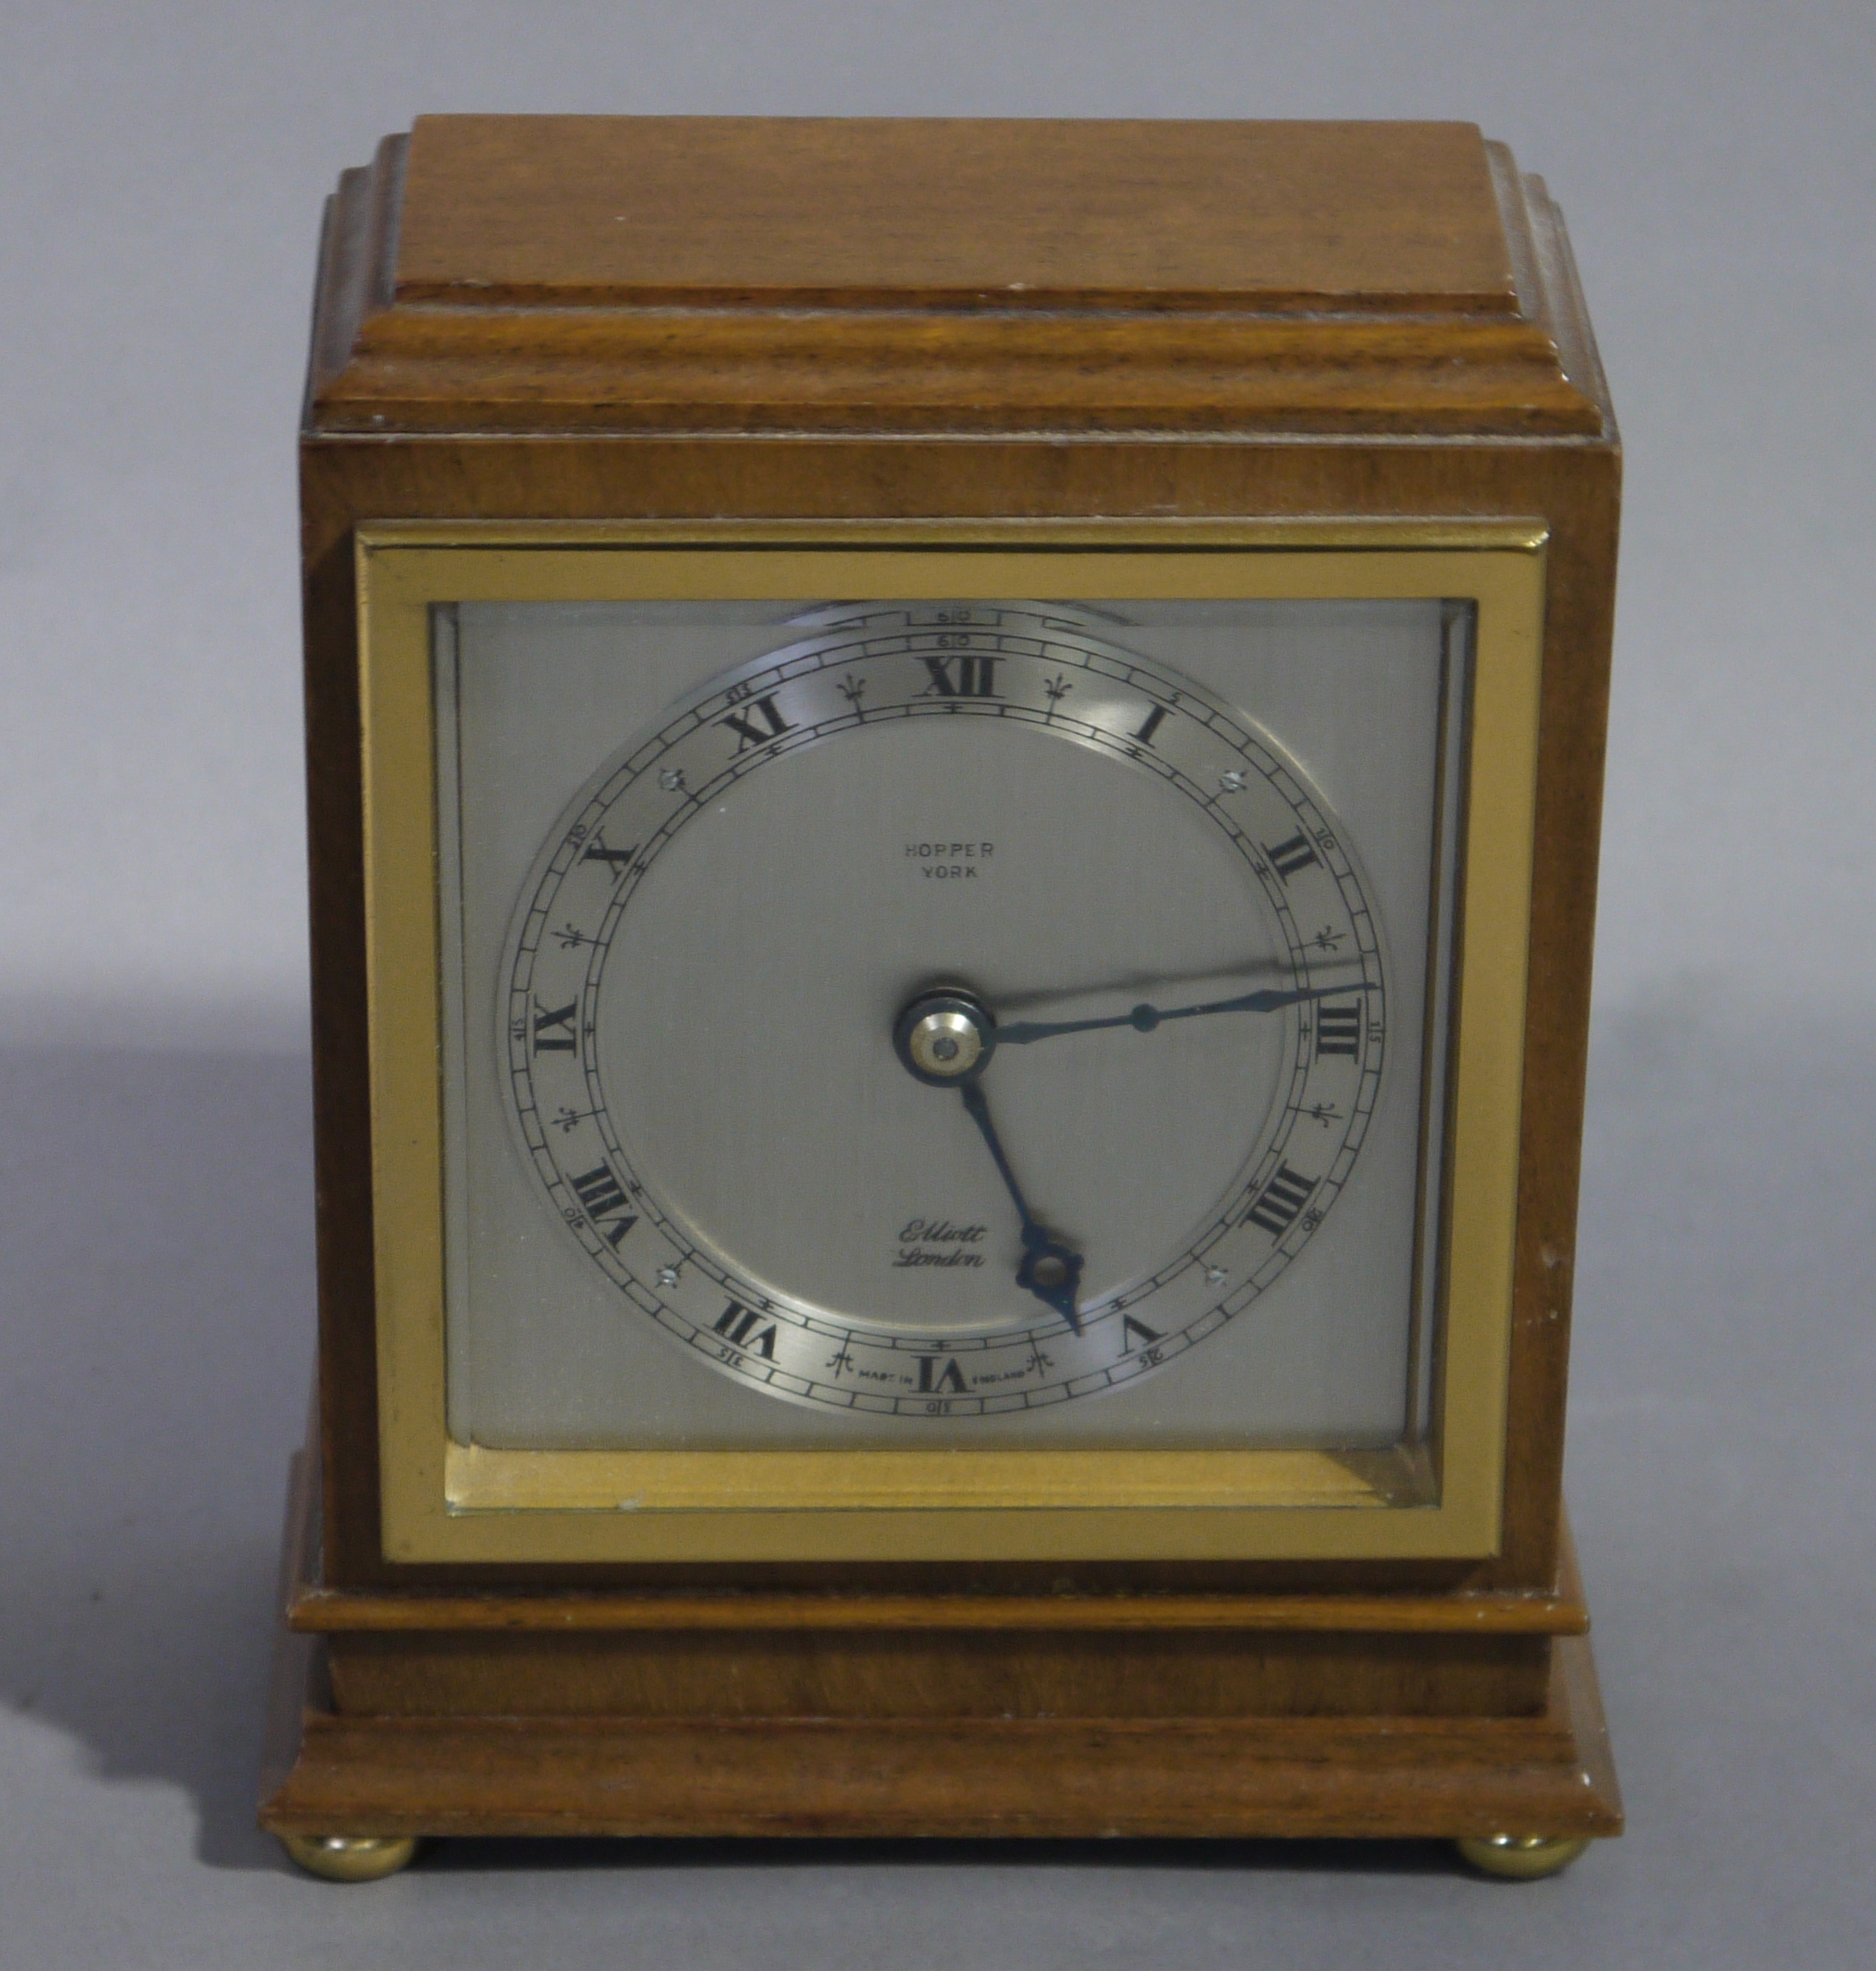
column 342, row 1457
column 1570, row 484
column 1579, row 632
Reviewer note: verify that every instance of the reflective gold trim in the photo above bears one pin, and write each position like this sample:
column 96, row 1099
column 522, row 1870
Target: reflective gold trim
column 1521, row 1858
column 445, row 1502
column 350, row 1858
column 896, row 537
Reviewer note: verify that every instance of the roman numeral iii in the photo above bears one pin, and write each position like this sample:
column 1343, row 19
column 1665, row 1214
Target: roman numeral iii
column 1283, row 1197
column 1339, row 1028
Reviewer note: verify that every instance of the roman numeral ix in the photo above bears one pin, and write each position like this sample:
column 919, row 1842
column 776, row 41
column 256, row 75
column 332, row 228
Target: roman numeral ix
column 553, row 1027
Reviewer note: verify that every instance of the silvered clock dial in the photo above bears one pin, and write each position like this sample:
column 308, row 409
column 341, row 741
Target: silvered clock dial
column 938, row 1123
column 939, row 1015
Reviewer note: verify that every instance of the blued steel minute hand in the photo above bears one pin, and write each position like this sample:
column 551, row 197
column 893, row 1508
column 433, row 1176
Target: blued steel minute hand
column 1144, row 1018
column 1050, row 1270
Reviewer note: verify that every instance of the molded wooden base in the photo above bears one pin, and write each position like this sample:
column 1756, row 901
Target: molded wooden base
column 1547, row 1776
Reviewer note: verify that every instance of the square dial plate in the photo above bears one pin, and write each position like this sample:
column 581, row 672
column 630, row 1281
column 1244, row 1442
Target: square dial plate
column 696, row 857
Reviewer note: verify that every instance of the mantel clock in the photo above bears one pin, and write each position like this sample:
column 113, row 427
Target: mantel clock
column 954, row 776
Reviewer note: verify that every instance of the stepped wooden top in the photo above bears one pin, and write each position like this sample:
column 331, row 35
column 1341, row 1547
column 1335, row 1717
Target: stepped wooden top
column 635, row 273
column 817, row 213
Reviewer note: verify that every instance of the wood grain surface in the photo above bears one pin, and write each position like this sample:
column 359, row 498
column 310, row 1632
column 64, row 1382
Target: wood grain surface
column 619, row 319
column 820, row 211
column 1572, row 486
column 730, row 274
column 1546, row 1774
column 516, row 457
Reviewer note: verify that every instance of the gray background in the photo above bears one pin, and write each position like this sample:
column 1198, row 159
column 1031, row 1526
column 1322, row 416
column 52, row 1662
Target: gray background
column 162, row 170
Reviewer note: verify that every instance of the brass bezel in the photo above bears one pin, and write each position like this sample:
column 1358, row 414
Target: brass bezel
column 445, row 1502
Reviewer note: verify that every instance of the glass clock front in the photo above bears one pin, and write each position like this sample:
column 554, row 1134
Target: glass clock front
column 944, row 1023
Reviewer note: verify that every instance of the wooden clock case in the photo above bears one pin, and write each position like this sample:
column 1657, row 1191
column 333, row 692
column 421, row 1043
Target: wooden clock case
column 588, row 319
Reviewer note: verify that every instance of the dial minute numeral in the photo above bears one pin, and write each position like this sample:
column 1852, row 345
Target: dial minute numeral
column 601, row 1196
column 1337, row 1028
column 1286, row 858
column 741, row 1327
column 1283, row 1197
column 748, row 733
column 975, row 678
column 546, row 1019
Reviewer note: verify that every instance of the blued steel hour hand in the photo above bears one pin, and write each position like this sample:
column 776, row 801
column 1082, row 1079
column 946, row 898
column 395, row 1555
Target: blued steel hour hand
column 1050, row 1269
column 1143, row 1018
column 945, row 1039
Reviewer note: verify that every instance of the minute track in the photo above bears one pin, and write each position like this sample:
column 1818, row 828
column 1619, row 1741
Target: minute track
column 870, row 675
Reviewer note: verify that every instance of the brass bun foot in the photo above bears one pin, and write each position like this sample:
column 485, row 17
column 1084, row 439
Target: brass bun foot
column 350, row 1858
column 1520, row 1858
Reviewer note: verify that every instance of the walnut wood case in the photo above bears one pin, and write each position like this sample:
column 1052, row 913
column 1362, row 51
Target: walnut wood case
column 597, row 319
